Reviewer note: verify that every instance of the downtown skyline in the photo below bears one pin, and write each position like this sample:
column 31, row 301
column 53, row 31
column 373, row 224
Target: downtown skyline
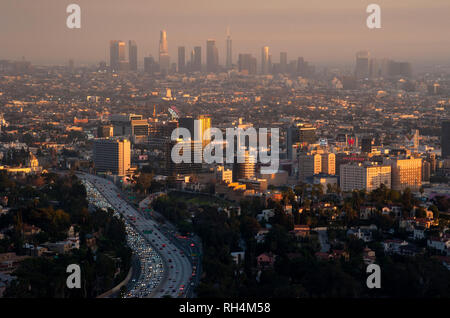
column 299, row 29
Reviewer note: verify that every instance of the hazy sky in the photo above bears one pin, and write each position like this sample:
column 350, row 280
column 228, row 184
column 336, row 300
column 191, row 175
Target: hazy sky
column 321, row 30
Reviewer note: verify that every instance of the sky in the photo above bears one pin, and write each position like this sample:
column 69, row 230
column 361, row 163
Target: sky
column 322, row 31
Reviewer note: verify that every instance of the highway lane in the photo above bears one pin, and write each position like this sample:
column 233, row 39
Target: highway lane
column 177, row 267
column 148, row 268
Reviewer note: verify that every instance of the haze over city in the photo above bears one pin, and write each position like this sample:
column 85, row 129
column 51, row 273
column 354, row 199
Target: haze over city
column 325, row 32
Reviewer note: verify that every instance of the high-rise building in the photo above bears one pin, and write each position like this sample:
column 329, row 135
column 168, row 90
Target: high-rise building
column 164, row 59
column 150, row 65
column 283, row 62
column 265, row 60
column 445, row 139
column 328, row 163
column 132, row 55
column 117, row 55
column 368, row 176
column 104, row 131
column 247, row 64
column 229, row 60
column 123, row 123
column 204, row 123
column 406, row 173
column 309, row 164
column 112, row 155
column 246, row 169
column 362, row 65
column 212, row 56
column 196, row 59
column 299, row 134
column 366, row 144
column 181, row 59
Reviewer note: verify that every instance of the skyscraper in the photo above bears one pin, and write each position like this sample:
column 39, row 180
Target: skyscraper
column 204, row 123
column 116, row 54
column 212, row 56
column 247, row 64
column 406, row 173
column 229, row 61
column 196, row 59
column 245, row 170
column 265, row 60
column 132, row 55
column 445, row 139
column 181, row 59
column 362, row 64
column 164, row 60
column 112, row 155
column 283, row 62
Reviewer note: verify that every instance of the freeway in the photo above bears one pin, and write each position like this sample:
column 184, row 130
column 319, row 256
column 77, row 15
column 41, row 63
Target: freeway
column 177, row 268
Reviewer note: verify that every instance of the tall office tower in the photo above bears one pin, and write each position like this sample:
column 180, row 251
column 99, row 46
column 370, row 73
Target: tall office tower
column 375, row 70
column 212, row 56
column 204, row 123
column 445, row 139
column 181, row 59
column 299, row 134
column 116, row 54
column 359, row 176
column 246, row 169
column 265, row 60
column 395, row 69
column 112, row 155
column 412, row 140
column 328, row 163
column 123, row 123
column 426, row 171
column 431, row 158
column 247, row 64
column 150, row 65
column 406, row 173
column 196, row 59
column 104, row 131
column 164, row 59
column 283, row 62
column 132, row 55
column 183, row 168
column 229, row 61
column 366, row 144
column 362, row 64
column 309, row 164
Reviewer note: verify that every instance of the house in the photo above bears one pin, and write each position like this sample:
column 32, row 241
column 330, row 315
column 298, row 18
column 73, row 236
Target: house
column 238, row 257
column 301, row 231
column 334, row 255
column 393, row 246
column 396, row 211
column 424, row 222
column 361, row 233
column 265, row 260
column 369, row 256
column 441, row 244
column 367, row 212
column 261, row 235
column 265, row 215
column 9, row 262
column 408, row 224
column 419, row 233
